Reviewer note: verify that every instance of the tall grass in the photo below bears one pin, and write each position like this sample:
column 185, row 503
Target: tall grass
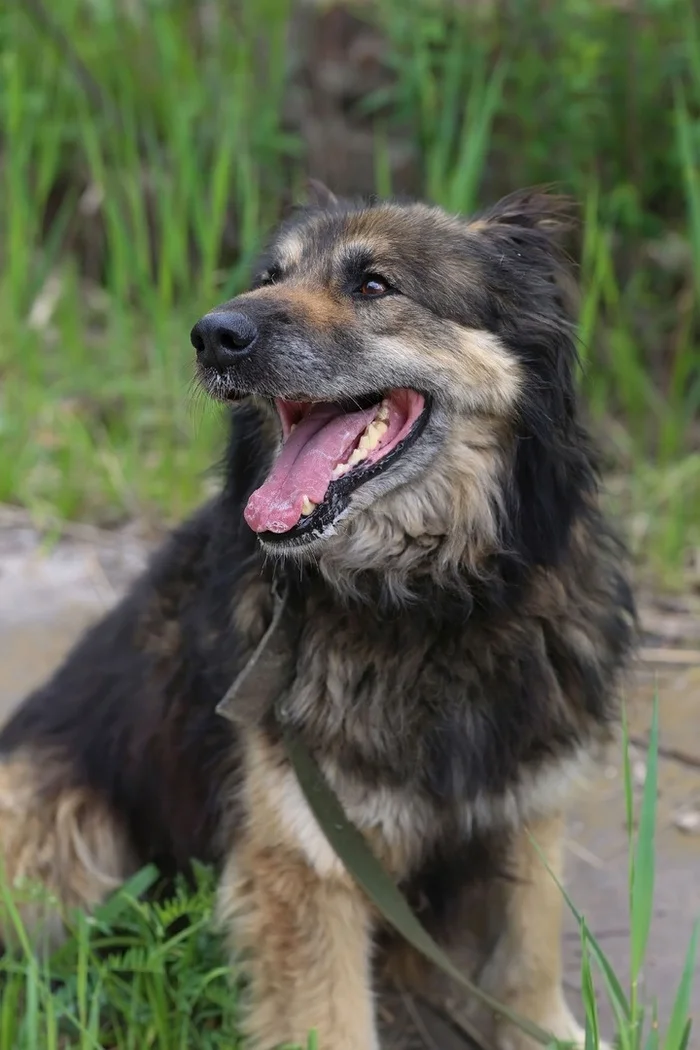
column 123, row 216
column 176, row 174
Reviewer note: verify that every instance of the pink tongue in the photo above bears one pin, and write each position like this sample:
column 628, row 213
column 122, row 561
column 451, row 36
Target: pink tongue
column 304, row 467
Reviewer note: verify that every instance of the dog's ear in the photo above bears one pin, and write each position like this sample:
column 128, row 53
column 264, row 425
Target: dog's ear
column 533, row 209
column 535, row 224
column 319, row 195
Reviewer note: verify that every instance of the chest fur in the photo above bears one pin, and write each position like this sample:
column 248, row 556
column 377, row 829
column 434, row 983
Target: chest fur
column 450, row 713
column 426, row 732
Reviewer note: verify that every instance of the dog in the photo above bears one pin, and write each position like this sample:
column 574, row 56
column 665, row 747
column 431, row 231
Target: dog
column 408, row 459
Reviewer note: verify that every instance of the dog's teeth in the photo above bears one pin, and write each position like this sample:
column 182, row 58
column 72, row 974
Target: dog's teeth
column 369, row 441
column 379, row 429
column 357, row 456
column 383, row 413
column 308, row 506
column 292, row 428
column 372, row 435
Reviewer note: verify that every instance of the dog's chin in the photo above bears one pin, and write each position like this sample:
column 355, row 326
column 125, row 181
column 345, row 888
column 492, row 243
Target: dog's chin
column 336, row 461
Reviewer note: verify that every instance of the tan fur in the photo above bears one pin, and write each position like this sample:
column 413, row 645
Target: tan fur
column 318, row 308
column 398, row 825
column 59, row 838
column 313, row 304
column 525, row 969
column 478, row 371
column 291, row 249
column 298, row 917
column 488, row 373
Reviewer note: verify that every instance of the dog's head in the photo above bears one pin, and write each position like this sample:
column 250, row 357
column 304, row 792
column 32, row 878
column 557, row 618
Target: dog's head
column 420, row 369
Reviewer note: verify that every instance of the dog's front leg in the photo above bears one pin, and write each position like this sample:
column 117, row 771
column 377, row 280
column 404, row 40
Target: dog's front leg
column 301, row 927
column 525, row 971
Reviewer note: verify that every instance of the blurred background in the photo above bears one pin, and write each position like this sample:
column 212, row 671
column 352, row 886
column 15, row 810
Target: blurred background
column 146, row 146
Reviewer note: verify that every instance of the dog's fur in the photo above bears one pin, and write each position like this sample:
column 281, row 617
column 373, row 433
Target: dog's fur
column 455, row 640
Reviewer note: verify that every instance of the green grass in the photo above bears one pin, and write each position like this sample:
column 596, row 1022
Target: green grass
column 124, row 216
column 98, row 418
column 133, row 975
column 152, row 974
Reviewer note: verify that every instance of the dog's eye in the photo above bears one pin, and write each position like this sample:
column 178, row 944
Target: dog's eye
column 373, row 286
column 269, row 276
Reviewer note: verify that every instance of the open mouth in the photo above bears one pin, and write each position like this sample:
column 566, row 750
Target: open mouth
column 328, row 449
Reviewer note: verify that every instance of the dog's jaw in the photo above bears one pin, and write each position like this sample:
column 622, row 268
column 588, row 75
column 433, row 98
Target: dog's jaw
column 329, row 451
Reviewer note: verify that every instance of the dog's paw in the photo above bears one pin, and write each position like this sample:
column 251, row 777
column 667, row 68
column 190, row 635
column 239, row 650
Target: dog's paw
column 561, row 1023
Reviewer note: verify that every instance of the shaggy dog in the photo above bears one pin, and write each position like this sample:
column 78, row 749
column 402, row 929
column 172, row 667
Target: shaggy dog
column 407, row 458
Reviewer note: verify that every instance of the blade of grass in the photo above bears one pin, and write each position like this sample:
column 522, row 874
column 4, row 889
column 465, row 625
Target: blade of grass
column 689, row 170
column 382, row 164
column 652, row 1039
column 616, row 996
column 132, row 889
column 485, row 97
column 642, row 902
column 588, row 992
column 678, row 1032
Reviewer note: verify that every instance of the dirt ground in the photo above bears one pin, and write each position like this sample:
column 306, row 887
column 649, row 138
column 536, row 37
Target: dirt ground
column 48, row 596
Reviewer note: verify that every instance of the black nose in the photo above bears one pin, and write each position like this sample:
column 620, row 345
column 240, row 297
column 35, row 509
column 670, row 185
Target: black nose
column 220, row 338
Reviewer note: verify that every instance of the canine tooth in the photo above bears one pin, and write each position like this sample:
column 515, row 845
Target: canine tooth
column 357, row 456
column 292, row 428
column 308, row 505
column 383, row 413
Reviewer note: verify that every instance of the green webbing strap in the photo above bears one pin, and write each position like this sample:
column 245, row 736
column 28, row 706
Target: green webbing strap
column 263, row 679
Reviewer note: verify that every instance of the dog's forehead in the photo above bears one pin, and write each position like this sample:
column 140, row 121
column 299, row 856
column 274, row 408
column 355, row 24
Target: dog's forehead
column 387, row 230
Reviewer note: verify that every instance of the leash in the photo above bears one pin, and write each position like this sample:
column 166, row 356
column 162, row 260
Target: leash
column 353, row 850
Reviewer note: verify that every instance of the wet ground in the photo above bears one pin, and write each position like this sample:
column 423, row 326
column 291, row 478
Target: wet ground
column 48, row 596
